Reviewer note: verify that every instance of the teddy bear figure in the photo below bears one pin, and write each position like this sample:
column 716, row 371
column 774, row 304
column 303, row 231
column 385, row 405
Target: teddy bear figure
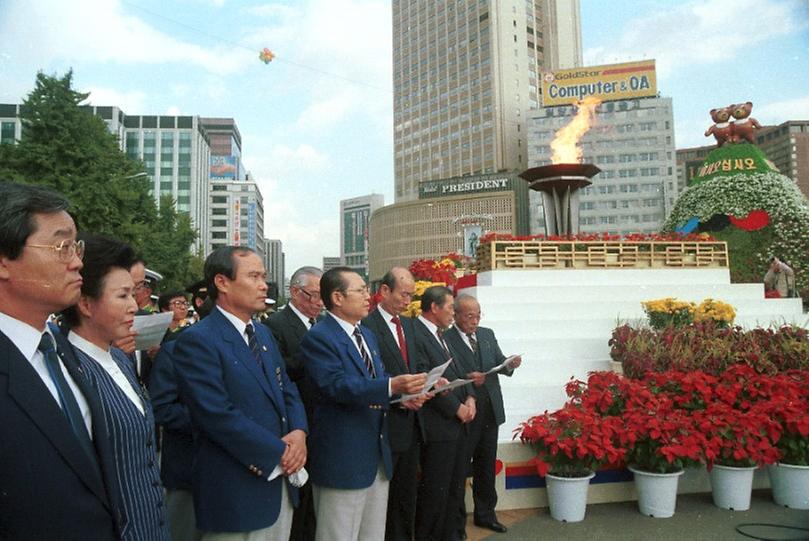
column 743, row 125
column 721, row 129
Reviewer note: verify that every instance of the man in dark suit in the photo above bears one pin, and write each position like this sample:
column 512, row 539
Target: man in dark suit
column 445, row 423
column 288, row 327
column 53, row 452
column 397, row 338
column 249, row 420
column 479, row 349
column 350, row 460
column 177, row 456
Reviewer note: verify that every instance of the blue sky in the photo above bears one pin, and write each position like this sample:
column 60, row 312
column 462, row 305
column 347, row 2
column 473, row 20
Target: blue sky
column 317, row 122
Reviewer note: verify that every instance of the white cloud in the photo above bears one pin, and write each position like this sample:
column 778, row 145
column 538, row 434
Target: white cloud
column 132, row 102
column 103, row 31
column 173, row 110
column 700, row 33
column 781, row 111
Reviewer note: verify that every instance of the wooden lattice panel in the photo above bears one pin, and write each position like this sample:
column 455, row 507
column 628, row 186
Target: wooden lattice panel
column 599, row 254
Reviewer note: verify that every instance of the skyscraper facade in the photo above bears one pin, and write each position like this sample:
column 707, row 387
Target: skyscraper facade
column 355, row 215
column 236, row 215
column 465, row 75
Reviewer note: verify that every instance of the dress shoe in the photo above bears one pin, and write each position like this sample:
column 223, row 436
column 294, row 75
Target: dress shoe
column 493, row 526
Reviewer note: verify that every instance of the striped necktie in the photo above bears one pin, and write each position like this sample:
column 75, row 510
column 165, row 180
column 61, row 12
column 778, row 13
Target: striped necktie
column 252, row 341
column 369, row 364
column 67, row 400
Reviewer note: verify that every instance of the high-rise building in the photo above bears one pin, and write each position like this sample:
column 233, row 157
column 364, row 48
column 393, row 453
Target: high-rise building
column 631, row 141
column 329, row 262
column 787, row 146
column 226, row 148
column 355, row 215
column 236, row 215
column 274, row 263
column 465, row 75
column 176, row 154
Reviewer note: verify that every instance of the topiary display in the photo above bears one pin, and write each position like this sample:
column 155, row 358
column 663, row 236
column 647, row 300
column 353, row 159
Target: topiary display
column 735, row 181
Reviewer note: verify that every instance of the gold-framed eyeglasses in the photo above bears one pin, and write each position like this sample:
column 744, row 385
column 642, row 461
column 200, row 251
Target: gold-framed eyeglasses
column 65, row 249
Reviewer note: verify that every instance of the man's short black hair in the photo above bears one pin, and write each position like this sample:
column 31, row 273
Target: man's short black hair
column 331, row 281
column 222, row 261
column 18, row 205
column 435, row 295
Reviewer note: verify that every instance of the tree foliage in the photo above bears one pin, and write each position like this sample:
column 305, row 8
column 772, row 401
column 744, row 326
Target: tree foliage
column 68, row 148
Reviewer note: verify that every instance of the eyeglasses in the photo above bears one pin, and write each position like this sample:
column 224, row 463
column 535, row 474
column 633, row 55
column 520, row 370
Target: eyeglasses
column 361, row 290
column 183, row 304
column 65, row 249
column 313, row 296
column 468, row 317
column 143, row 284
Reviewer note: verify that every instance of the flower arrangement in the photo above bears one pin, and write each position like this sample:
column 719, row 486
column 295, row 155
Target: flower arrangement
column 708, row 347
column 669, row 312
column 717, row 311
column 667, row 421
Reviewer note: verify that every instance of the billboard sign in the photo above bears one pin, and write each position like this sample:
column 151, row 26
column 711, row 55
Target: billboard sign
column 607, row 83
column 355, row 229
column 224, row 167
column 458, row 186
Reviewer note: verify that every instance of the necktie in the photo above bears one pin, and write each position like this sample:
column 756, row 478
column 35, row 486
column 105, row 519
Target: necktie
column 440, row 334
column 67, row 399
column 472, row 341
column 400, row 335
column 369, row 364
column 252, row 341
column 312, row 322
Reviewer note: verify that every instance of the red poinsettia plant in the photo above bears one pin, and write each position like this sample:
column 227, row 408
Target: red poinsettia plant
column 738, row 439
column 572, row 442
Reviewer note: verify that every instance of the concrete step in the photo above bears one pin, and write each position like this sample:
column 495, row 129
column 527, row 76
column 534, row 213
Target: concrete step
column 615, row 277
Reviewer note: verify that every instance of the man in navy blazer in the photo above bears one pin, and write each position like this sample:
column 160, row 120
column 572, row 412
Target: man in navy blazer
column 350, row 462
column 249, row 420
column 53, row 451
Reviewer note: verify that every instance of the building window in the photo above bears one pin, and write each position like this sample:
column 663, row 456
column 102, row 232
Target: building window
column 7, row 133
column 219, row 199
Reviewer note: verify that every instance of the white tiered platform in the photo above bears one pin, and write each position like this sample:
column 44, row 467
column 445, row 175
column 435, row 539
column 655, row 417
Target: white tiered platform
column 561, row 320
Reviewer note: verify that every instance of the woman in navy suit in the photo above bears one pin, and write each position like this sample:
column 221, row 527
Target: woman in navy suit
column 104, row 314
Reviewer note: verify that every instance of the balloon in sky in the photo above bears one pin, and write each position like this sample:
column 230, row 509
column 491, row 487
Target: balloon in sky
column 266, row 55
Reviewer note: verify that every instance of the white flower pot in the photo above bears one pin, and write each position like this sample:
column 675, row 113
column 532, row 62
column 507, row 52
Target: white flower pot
column 790, row 485
column 657, row 492
column 732, row 487
column 567, row 497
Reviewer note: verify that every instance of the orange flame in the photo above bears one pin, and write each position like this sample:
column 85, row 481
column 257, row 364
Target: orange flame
column 565, row 145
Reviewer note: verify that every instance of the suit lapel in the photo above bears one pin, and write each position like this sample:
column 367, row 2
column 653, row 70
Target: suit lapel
column 468, row 358
column 388, row 342
column 295, row 323
column 348, row 344
column 29, row 391
column 242, row 352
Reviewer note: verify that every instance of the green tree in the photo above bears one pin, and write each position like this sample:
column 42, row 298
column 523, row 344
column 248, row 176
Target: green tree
column 70, row 149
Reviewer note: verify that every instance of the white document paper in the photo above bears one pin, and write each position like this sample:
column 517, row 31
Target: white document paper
column 151, row 329
column 454, row 383
column 432, row 378
column 297, row 479
column 504, row 364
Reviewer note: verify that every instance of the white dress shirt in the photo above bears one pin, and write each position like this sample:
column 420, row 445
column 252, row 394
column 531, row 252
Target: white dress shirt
column 349, row 329
column 105, row 360
column 26, row 339
column 240, row 325
column 391, row 326
column 302, row 317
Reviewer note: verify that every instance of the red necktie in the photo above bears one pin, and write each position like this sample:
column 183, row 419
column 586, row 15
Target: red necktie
column 402, row 343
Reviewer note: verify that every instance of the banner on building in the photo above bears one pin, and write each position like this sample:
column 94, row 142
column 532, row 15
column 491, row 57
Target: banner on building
column 223, row 167
column 607, row 83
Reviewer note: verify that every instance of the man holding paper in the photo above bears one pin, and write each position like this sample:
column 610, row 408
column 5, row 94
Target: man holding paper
column 479, row 349
column 397, row 339
column 350, row 461
column 445, row 419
